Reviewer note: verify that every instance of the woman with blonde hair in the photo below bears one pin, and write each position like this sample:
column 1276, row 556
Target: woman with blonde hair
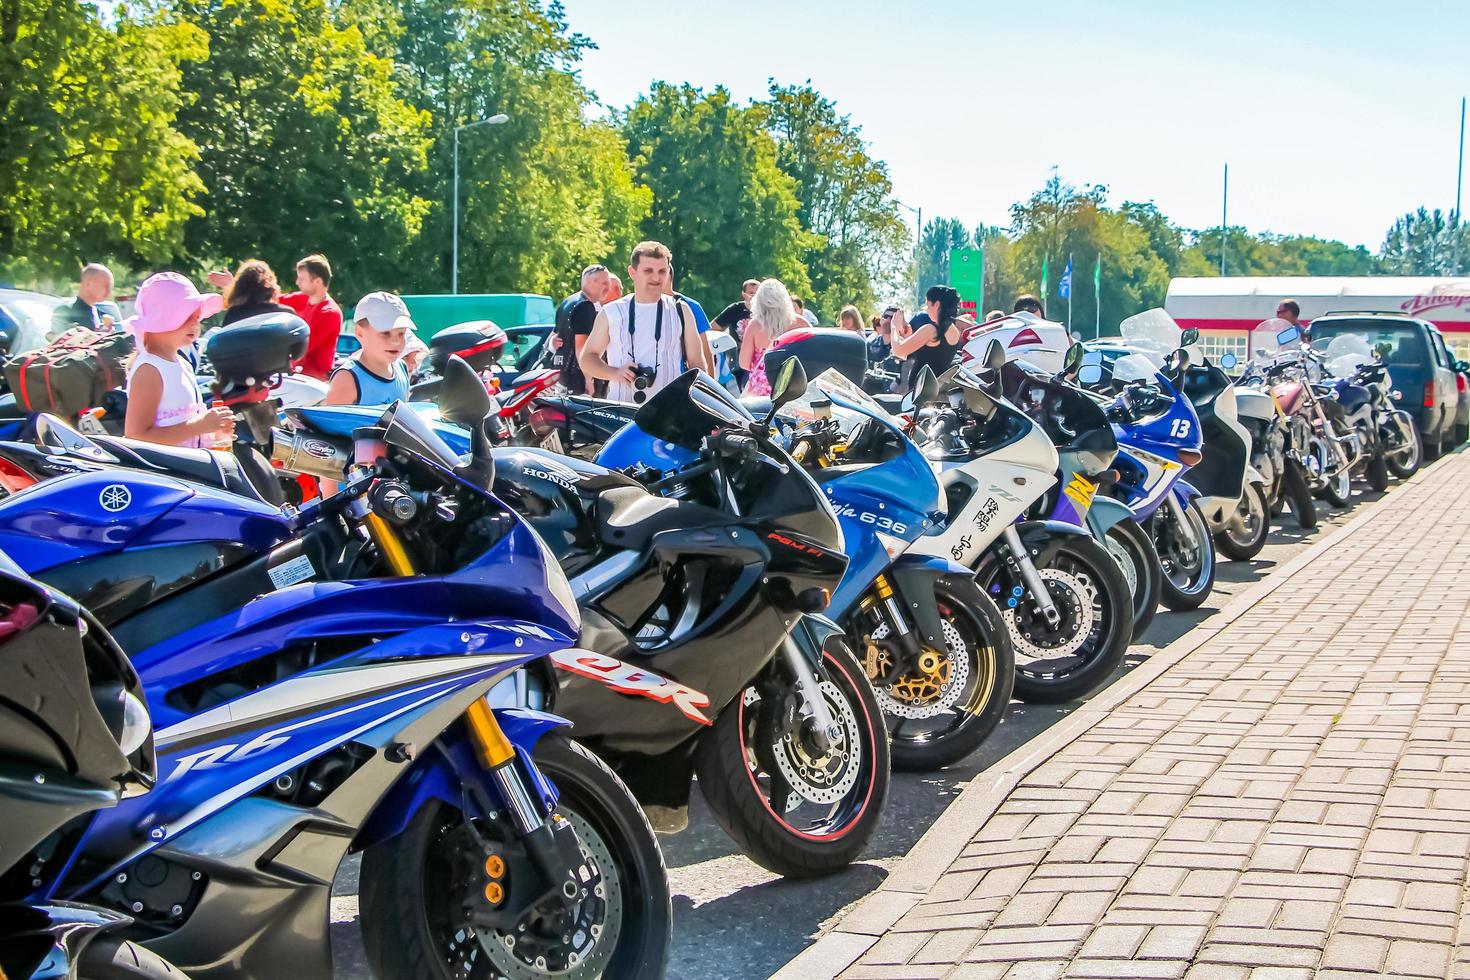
column 771, row 314
column 850, row 319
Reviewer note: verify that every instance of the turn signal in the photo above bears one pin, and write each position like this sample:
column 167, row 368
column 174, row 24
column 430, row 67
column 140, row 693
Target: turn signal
column 1190, row 457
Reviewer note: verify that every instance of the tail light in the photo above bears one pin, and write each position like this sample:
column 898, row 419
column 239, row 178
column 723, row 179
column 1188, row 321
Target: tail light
column 13, row 478
column 1460, row 382
column 1429, row 394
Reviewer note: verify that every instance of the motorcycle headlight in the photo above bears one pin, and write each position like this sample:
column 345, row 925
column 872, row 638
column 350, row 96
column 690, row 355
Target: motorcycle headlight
column 136, row 724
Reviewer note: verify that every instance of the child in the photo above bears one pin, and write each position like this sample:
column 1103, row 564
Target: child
column 376, row 375
column 164, row 403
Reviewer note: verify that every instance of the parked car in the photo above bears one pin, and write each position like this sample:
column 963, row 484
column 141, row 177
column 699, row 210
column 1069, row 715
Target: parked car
column 25, row 318
column 1419, row 365
column 1462, row 414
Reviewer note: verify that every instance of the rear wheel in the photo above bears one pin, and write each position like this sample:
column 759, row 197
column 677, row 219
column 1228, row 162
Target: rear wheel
column 1376, row 472
column 1244, row 535
column 1294, row 488
column 418, row 889
column 954, row 698
column 1188, row 557
column 794, row 809
column 1133, row 550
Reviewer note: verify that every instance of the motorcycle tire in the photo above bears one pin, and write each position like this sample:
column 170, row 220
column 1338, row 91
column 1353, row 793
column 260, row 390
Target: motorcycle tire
column 411, row 923
column 1128, row 541
column 972, row 622
column 1182, row 598
column 1294, row 488
column 113, row 958
column 1404, row 467
column 1248, row 544
column 1052, row 680
column 763, row 827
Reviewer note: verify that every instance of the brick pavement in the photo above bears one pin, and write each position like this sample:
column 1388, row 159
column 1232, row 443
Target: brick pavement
column 1285, row 794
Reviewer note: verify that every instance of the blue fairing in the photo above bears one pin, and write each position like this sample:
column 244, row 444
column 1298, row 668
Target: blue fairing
column 630, row 446
column 1162, row 436
column 340, row 420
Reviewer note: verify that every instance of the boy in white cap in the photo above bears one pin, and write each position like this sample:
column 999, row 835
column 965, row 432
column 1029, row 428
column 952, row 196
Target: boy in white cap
column 376, row 375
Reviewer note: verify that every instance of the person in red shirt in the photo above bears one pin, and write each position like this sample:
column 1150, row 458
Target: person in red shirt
column 321, row 313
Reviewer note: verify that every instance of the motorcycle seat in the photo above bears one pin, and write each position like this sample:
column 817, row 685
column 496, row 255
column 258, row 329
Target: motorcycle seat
column 1352, row 397
column 629, row 517
column 213, row 469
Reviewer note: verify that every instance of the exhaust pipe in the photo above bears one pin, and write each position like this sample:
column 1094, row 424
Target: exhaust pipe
column 298, row 453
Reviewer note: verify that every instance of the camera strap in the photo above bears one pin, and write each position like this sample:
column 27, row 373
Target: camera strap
column 658, row 331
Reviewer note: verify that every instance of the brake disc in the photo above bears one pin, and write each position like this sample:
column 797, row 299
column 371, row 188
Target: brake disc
column 828, row 779
column 1080, row 594
column 922, row 695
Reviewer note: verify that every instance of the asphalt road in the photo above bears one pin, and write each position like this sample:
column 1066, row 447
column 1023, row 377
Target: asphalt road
column 733, row 918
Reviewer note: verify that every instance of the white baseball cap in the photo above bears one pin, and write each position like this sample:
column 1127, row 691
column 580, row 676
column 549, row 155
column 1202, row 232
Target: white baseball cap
column 383, row 312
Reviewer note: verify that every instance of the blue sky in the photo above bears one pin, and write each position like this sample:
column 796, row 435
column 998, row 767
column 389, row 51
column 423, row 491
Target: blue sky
column 1335, row 117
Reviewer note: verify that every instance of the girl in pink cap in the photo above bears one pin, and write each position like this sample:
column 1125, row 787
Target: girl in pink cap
column 164, row 404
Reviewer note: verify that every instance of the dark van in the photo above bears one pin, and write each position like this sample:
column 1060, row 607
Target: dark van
column 1419, row 365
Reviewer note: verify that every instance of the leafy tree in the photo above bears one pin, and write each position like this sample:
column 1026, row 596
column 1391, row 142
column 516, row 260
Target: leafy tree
column 305, row 144
column 91, row 165
column 844, row 196
column 720, row 200
column 542, row 195
column 939, row 237
column 1424, row 243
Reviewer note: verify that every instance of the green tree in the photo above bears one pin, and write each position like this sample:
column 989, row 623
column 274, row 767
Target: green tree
column 540, row 196
column 1424, row 243
column 845, row 197
column 91, row 166
column 939, row 237
column 305, row 144
column 720, row 201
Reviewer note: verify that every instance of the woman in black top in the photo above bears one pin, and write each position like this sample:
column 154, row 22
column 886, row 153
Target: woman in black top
column 253, row 292
column 932, row 338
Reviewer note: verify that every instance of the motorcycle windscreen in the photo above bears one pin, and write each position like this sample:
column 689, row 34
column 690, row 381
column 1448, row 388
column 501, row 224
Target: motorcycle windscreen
column 404, row 428
column 688, row 409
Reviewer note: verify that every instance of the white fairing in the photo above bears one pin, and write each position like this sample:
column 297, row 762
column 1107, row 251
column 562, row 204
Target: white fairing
column 1007, row 482
column 1255, row 404
column 300, row 391
column 1043, row 343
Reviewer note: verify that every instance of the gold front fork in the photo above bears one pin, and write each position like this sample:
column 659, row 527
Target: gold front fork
column 490, row 742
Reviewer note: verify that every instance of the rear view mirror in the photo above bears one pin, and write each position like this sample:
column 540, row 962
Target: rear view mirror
column 1090, row 374
column 1462, row 366
column 463, row 398
column 926, row 387
column 1073, row 360
column 1289, row 336
column 1382, row 349
column 790, row 383
column 1189, row 337
column 1228, row 361
column 995, row 356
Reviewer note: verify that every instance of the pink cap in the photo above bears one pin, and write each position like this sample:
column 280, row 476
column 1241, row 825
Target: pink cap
column 166, row 301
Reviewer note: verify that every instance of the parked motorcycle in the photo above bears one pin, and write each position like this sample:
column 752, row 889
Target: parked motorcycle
column 75, row 738
column 1272, row 453
column 350, row 677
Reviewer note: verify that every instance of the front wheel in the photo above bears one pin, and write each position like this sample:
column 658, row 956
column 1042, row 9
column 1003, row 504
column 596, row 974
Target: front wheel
column 947, row 704
column 1075, row 657
column 1244, row 535
column 420, row 889
column 1405, row 464
column 1337, row 480
column 1134, row 551
column 794, row 808
column 1188, row 556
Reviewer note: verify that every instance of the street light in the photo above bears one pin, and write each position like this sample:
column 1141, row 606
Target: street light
column 918, row 240
column 494, row 120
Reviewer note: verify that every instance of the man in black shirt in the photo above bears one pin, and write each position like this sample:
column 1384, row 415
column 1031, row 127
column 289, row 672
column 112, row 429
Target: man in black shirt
column 732, row 319
column 93, row 308
column 574, row 320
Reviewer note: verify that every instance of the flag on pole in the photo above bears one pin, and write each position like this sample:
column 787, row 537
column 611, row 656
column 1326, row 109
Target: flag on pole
column 1097, row 296
column 1044, row 277
column 1064, row 289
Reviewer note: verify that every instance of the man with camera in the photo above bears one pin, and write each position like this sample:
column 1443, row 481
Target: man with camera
column 643, row 341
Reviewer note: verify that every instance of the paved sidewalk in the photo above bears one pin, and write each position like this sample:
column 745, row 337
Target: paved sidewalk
column 1285, row 792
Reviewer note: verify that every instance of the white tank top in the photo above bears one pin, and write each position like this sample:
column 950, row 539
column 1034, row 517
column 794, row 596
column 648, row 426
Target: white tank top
column 180, row 401
column 640, row 349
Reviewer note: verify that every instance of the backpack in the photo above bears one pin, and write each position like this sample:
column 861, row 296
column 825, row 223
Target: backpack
column 71, row 373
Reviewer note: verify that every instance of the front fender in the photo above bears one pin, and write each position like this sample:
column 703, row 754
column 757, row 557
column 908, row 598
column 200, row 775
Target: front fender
column 913, row 579
column 1104, row 513
column 441, row 773
column 1253, row 475
column 1040, row 539
column 1184, row 490
column 811, row 635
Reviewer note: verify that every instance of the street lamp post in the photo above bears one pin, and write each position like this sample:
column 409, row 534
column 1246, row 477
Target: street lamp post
column 918, row 241
column 494, row 120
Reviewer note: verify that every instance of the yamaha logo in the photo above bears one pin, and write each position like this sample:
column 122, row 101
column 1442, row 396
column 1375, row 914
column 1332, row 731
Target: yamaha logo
column 114, row 497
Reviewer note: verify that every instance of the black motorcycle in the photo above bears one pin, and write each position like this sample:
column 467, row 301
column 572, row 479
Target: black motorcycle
column 75, row 737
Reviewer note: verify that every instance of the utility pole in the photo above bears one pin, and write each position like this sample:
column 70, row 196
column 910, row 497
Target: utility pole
column 1460, row 169
column 1224, row 205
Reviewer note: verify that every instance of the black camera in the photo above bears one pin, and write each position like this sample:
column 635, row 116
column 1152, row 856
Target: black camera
column 642, row 381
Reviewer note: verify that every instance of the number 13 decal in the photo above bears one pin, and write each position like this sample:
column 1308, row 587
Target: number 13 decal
column 1180, row 428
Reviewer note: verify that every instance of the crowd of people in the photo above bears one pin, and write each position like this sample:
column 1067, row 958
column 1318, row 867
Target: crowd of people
column 605, row 342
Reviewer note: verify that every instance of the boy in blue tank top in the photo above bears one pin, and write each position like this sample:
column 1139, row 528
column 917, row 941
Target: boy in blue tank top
column 376, row 374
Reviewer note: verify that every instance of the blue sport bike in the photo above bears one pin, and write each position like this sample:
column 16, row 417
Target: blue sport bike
column 346, row 678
